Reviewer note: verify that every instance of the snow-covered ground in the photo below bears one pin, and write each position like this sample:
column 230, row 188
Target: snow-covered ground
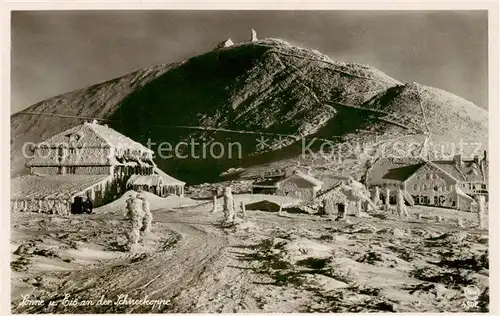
column 266, row 263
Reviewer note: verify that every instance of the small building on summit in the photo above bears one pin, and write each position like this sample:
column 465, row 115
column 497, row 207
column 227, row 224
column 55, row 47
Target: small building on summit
column 225, row 44
column 87, row 161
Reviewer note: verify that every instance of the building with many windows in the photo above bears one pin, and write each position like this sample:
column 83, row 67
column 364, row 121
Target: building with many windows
column 435, row 183
column 89, row 160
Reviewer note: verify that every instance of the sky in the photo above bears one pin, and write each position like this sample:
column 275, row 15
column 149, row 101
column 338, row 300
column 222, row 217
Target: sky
column 54, row 52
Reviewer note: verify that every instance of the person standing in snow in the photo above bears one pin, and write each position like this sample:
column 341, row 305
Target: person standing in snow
column 135, row 217
column 87, row 205
column 148, row 217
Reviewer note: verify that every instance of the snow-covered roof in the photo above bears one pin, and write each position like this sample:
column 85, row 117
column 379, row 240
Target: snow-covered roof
column 390, row 170
column 115, row 139
column 148, row 180
column 94, row 135
column 159, row 178
column 168, row 178
column 52, row 186
column 87, row 142
column 303, row 179
column 393, row 171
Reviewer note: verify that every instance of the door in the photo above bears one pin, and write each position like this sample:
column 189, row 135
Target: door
column 77, row 205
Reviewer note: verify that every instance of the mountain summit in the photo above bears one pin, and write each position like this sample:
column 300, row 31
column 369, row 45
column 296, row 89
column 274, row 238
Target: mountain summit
column 266, row 86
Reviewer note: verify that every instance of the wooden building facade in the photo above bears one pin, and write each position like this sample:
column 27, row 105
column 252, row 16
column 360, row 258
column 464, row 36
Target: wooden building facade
column 89, row 160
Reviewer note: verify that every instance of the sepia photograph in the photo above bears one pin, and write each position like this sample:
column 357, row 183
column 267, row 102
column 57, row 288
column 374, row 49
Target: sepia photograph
column 249, row 161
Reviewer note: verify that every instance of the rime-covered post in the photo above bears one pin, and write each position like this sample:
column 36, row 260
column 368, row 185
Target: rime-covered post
column 359, row 207
column 235, row 207
column 376, row 196
column 147, row 220
column 243, row 209
column 135, row 216
column 215, row 206
column 228, row 207
column 387, row 198
column 401, row 206
column 480, row 211
column 457, row 196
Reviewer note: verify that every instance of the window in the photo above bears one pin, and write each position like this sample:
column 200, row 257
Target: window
column 415, row 187
column 483, row 186
column 71, row 170
column 424, row 200
column 60, row 153
column 72, row 150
